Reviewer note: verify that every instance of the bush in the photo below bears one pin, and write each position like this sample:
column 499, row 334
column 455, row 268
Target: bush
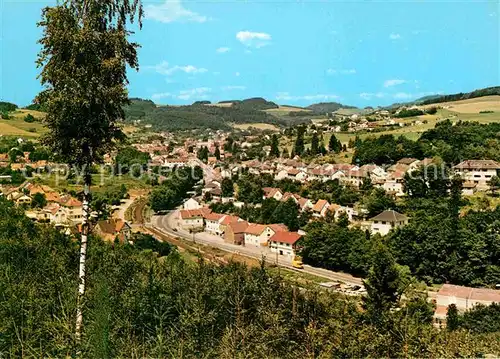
column 431, row 110
column 29, row 118
column 409, row 113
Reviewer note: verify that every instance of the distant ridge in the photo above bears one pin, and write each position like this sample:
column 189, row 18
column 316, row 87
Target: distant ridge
column 324, row 107
column 428, row 100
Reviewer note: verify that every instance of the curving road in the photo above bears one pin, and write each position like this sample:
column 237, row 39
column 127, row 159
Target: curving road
column 169, row 225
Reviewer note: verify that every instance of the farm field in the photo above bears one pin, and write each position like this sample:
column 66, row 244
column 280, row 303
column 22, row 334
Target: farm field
column 473, row 105
column 260, row 126
column 16, row 126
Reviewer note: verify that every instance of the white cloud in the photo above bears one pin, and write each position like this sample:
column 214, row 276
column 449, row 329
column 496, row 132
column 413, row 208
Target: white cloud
column 394, row 36
column 394, row 82
column 369, row 96
column 172, row 10
column 287, row 97
column 341, row 72
column 200, row 93
column 253, row 39
column 409, row 96
column 237, row 74
column 222, row 50
column 165, row 69
column 230, row 88
column 159, row 96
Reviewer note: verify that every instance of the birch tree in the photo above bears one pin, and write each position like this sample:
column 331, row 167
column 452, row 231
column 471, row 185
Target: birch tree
column 84, row 55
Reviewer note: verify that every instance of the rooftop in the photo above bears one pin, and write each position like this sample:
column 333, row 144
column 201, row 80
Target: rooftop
column 389, row 216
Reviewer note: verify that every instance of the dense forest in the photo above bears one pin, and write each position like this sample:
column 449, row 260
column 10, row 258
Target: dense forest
column 138, row 304
column 453, row 143
column 324, row 107
column 200, row 115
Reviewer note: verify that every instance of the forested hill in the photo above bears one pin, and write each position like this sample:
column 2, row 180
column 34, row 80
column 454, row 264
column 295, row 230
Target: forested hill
column 201, row 114
column 324, row 107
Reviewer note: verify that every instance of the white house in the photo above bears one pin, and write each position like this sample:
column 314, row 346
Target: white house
column 284, row 243
column 212, row 223
column 387, row 220
column 478, row 172
column 275, row 193
column 191, row 219
column 191, row 204
column 337, row 210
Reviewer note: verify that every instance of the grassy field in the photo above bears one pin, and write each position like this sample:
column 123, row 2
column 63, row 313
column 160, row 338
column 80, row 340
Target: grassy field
column 16, row 126
column 284, row 110
column 100, row 184
column 260, row 126
column 472, row 106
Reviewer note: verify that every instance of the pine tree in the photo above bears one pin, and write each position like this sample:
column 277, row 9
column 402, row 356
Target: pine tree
column 217, row 153
column 299, row 142
column 334, row 145
column 275, row 150
column 84, row 57
column 452, row 318
column 314, row 144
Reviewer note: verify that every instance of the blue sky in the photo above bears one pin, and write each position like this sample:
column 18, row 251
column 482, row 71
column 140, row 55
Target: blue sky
column 362, row 53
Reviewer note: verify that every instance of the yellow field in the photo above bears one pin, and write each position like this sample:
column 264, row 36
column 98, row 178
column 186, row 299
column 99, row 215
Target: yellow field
column 259, row 126
column 229, row 104
column 473, row 105
column 285, row 110
column 16, row 126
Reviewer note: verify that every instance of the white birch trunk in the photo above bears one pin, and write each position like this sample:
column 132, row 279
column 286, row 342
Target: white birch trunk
column 83, row 257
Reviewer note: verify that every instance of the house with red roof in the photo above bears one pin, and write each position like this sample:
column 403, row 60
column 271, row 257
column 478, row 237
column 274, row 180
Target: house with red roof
column 284, row 243
column 193, row 218
column 320, row 208
column 235, row 232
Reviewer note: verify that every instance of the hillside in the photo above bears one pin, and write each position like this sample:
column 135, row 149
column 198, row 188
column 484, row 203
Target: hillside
column 324, row 107
column 203, row 114
column 434, row 99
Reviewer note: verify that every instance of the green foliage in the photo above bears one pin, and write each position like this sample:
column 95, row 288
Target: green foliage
column 385, row 149
column 383, row 286
column 200, row 116
column 84, row 56
column 275, row 149
column 29, row 118
column 431, row 110
column 249, row 191
column 463, row 140
column 299, row 146
column 7, row 107
column 409, row 113
column 378, row 201
column 324, row 107
column 141, row 305
column 171, row 192
column 452, row 318
column 147, row 241
column 334, row 145
column 5, row 115
column 336, row 247
column 130, row 158
column 481, row 319
column 39, row 200
column 227, row 187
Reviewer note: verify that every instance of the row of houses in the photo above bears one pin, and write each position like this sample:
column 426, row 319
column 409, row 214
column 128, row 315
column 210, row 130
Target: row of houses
column 476, row 173
column 235, row 230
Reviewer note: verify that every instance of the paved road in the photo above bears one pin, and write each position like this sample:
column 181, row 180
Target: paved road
column 167, row 223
